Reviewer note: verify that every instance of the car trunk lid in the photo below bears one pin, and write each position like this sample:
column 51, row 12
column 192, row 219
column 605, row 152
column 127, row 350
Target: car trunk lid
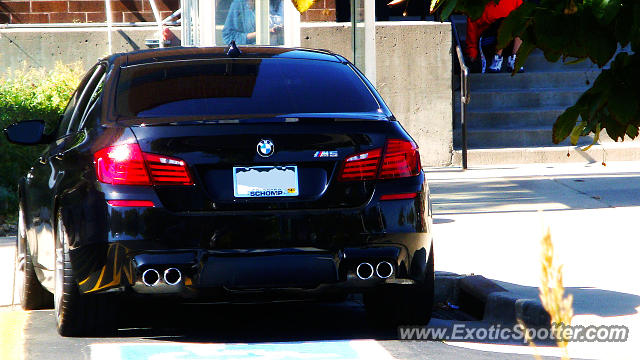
column 314, row 148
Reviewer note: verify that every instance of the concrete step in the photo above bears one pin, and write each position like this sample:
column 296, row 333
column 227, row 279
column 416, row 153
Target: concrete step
column 604, row 152
column 510, row 138
column 531, row 80
column 514, row 118
column 537, row 62
column 506, row 99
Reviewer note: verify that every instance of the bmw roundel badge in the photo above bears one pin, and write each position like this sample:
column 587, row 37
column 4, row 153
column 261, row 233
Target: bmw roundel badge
column 265, row 148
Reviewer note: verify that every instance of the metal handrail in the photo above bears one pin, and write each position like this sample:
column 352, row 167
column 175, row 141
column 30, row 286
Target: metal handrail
column 464, row 93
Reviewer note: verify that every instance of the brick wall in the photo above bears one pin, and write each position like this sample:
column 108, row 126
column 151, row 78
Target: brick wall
column 80, row 11
column 321, row 10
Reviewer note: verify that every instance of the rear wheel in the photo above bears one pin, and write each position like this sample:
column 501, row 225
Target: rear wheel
column 401, row 304
column 78, row 314
column 33, row 296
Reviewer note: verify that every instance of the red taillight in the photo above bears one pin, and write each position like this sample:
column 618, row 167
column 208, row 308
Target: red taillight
column 401, row 159
column 126, row 164
column 399, row 196
column 362, row 166
column 121, row 165
column 166, row 170
column 131, row 203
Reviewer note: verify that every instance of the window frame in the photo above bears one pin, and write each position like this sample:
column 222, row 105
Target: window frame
column 72, row 104
column 94, row 99
column 85, row 96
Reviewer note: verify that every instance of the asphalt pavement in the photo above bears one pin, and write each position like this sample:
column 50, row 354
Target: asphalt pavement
column 488, row 221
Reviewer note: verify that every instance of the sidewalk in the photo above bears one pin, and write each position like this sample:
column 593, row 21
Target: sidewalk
column 7, row 258
column 489, row 221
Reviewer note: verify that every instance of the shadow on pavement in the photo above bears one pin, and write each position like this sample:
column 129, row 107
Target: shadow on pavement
column 294, row 321
column 533, row 194
column 587, row 300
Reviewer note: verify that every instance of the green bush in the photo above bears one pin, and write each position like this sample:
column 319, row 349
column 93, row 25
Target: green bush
column 30, row 94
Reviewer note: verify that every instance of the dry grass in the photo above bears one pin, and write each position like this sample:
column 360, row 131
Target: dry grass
column 552, row 295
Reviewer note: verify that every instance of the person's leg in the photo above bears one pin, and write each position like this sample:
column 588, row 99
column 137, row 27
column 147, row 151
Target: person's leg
column 511, row 61
column 516, row 44
column 497, row 60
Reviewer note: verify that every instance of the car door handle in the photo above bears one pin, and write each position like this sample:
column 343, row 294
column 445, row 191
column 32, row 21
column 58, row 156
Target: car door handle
column 59, row 156
column 42, row 160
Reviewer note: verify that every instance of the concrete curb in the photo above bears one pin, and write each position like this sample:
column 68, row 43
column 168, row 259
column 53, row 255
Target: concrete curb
column 484, row 299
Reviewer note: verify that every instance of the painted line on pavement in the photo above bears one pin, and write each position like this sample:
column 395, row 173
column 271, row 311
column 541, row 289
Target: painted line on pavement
column 338, row 350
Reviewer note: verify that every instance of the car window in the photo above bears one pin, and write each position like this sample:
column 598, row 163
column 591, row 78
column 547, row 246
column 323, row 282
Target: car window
column 71, row 105
column 241, row 87
column 84, row 98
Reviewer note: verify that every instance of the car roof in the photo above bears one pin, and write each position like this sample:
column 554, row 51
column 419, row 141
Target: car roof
column 201, row 53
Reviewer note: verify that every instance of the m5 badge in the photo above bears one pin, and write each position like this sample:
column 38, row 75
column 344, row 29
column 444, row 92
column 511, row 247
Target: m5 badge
column 325, row 154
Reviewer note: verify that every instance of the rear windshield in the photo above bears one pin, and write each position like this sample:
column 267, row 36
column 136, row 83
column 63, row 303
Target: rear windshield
column 239, row 87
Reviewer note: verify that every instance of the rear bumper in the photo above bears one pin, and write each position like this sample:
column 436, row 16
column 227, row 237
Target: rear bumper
column 227, row 274
column 222, row 253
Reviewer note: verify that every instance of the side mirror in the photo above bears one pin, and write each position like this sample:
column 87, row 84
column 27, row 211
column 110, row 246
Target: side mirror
column 29, row 132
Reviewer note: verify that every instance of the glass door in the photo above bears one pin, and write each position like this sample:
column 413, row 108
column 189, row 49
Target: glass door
column 250, row 22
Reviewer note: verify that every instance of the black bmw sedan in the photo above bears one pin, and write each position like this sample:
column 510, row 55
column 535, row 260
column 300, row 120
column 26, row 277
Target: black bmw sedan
column 223, row 175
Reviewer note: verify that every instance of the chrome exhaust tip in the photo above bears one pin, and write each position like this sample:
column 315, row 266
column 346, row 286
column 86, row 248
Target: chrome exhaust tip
column 172, row 276
column 384, row 269
column 364, row 271
column 150, row 277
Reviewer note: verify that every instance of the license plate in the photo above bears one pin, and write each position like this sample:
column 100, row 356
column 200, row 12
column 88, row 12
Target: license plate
column 265, row 181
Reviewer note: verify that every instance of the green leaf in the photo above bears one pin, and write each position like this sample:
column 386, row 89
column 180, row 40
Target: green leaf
column 473, row 8
column 552, row 55
column 448, row 8
column 523, row 53
column 632, row 131
column 514, row 24
column 575, row 61
column 595, row 138
column 634, row 36
column 601, row 44
column 615, row 129
column 604, row 10
column 611, row 10
column 546, row 27
column 564, row 124
column 576, row 132
column 623, row 104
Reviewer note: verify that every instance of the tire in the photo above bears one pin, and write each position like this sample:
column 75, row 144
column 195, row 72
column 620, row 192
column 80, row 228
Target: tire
column 79, row 314
column 395, row 305
column 33, row 296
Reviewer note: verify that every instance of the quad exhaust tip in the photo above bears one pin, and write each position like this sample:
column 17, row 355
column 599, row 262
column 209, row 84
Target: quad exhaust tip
column 151, row 277
column 384, row 269
column 172, row 276
column 364, row 271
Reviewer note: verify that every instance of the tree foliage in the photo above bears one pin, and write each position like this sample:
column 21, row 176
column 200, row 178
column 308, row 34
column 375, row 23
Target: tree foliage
column 28, row 94
column 572, row 31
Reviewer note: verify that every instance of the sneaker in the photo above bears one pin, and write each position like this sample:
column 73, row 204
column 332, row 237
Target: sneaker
column 511, row 64
column 496, row 64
